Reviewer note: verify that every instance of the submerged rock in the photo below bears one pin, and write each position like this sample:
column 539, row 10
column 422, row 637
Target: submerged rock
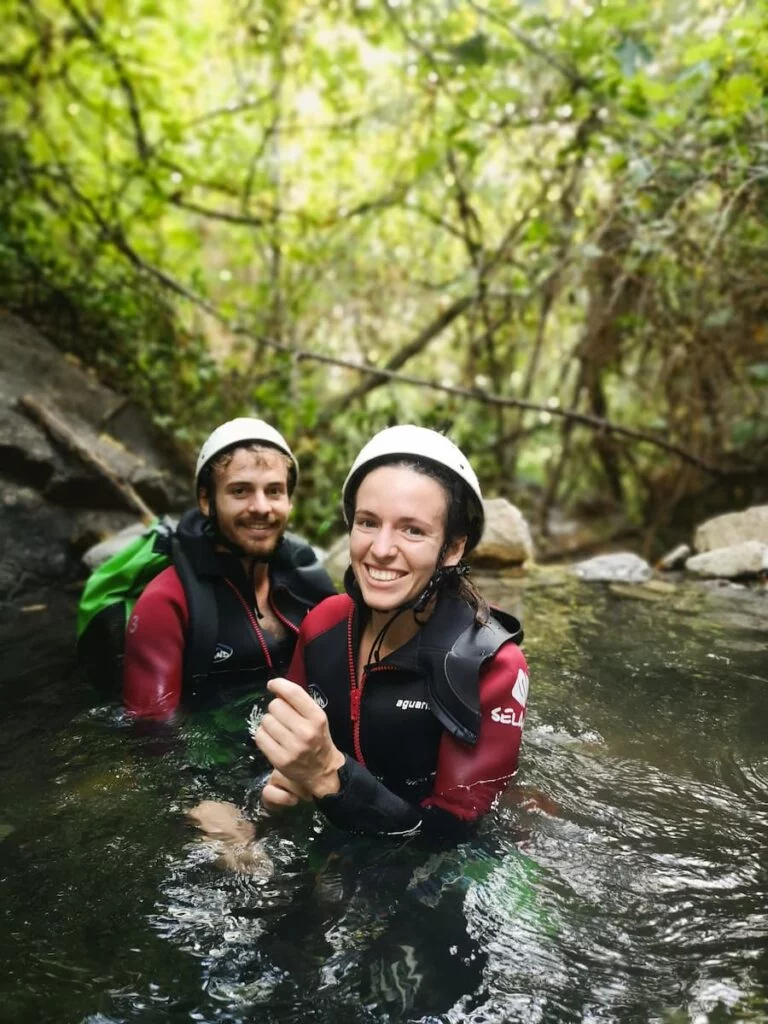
column 733, row 528
column 750, row 558
column 622, row 567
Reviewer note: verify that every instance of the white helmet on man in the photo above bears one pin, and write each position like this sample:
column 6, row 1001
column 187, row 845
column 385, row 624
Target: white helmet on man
column 245, row 430
column 409, row 441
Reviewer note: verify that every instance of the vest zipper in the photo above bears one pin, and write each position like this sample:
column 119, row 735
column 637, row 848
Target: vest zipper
column 278, row 615
column 355, row 692
column 356, row 689
column 252, row 619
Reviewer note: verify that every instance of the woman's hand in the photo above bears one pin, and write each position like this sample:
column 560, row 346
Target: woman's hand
column 295, row 739
column 280, row 793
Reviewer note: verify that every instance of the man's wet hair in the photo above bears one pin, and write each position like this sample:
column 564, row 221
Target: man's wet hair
column 220, row 461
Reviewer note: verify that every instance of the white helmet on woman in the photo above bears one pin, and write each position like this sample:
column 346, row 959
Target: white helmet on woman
column 411, row 442
column 245, row 430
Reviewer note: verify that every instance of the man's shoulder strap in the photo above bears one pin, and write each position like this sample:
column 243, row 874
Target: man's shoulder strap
column 203, row 628
column 302, row 572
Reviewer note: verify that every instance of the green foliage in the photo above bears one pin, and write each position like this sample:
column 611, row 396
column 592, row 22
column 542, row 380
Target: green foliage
column 192, row 198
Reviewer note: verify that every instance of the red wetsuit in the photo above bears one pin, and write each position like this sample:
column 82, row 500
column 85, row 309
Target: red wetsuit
column 243, row 656
column 407, row 770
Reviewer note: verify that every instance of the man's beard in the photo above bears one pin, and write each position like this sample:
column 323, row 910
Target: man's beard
column 253, row 544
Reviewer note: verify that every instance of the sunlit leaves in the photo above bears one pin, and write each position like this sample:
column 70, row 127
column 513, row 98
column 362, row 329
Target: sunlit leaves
column 331, row 176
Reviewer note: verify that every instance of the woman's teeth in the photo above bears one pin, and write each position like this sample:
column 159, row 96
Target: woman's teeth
column 383, row 575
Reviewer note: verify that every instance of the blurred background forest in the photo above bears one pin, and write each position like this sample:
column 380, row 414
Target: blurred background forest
column 541, row 225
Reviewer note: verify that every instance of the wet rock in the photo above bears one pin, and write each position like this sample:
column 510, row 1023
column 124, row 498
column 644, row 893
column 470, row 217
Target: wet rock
column 103, row 421
column 50, row 499
column 651, row 590
column 622, row 567
column 506, row 538
column 675, row 559
column 750, row 558
column 34, row 543
column 733, row 528
column 663, row 587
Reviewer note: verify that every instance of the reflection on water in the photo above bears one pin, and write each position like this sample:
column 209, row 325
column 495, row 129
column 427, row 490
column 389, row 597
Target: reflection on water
column 623, row 878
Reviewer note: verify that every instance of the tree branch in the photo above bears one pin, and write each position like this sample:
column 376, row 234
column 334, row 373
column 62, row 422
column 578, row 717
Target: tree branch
column 378, row 375
column 126, row 85
column 416, row 345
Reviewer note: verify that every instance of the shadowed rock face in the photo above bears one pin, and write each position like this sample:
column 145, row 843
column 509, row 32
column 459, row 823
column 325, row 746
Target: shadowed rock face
column 52, row 505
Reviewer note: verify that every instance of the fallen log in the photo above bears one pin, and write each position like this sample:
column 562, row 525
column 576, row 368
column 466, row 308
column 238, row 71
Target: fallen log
column 65, row 436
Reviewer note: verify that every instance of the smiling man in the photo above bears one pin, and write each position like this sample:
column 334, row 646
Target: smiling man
column 252, row 584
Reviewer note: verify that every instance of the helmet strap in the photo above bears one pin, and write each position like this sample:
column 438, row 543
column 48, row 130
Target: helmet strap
column 437, row 581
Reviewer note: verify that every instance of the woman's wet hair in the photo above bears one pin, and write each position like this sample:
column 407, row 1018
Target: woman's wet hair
column 461, row 520
column 205, row 481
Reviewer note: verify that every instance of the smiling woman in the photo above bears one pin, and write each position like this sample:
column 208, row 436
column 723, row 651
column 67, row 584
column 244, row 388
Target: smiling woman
column 397, row 535
column 405, row 699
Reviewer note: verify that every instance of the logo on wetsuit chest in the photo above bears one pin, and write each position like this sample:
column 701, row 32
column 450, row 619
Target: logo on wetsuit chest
column 222, row 652
column 415, row 705
column 317, row 696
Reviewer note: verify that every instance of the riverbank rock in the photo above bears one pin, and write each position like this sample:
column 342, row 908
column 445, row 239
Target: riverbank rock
column 621, row 567
column 506, row 538
column 749, row 558
column 506, row 541
column 733, row 528
column 675, row 559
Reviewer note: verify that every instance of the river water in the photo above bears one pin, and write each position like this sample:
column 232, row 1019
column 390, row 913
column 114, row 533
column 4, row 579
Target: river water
column 623, row 878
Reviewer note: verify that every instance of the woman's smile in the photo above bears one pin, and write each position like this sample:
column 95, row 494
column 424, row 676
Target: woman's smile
column 379, row 575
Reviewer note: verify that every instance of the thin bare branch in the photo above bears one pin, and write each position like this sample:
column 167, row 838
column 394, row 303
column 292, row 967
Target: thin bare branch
column 90, row 32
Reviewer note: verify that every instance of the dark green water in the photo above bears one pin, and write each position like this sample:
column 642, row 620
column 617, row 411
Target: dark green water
column 624, row 877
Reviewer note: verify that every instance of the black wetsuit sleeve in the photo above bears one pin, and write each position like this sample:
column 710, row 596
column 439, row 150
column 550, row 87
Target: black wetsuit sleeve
column 365, row 805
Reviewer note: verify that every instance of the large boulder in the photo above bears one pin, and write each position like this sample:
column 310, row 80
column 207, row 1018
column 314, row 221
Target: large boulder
column 749, row 558
column 99, row 421
column 53, row 501
column 733, row 528
column 506, row 541
column 506, row 538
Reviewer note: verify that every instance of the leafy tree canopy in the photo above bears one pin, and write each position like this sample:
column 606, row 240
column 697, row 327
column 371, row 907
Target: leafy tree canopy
column 543, row 220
